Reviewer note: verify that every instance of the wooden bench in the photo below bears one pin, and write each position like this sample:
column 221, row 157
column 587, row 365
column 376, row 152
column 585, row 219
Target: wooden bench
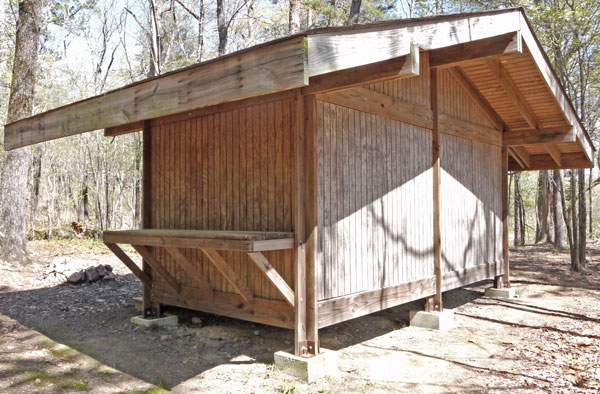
column 209, row 242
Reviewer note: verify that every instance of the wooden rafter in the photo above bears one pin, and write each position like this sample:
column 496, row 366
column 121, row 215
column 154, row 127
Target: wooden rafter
column 265, row 266
column 517, row 158
column 156, row 266
column 146, row 280
column 524, row 156
column 475, row 51
column 487, row 109
column 379, row 104
column 229, row 274
column 554, row 153
column 190, row 268
column 511, row 89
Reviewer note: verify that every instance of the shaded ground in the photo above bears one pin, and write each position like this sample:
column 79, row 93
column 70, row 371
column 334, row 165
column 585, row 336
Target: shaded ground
column 65, row 338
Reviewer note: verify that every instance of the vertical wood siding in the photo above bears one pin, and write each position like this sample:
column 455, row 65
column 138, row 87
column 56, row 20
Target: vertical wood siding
column 374, row 202
column 375, row 193
column 471, row 194
column 229, row 170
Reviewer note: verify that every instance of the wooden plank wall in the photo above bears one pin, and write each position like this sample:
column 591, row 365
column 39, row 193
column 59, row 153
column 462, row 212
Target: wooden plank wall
column 375, row 219
column 375, row 193
column 471, row 194
column 227, row 170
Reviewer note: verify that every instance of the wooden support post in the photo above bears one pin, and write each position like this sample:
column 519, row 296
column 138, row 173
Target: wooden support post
column 149, row 309
column 306, row 341
column 435, row 153
column 310, row 214
column 505, row 262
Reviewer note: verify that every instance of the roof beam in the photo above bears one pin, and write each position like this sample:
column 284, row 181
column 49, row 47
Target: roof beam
column 124, row 129
column 487, row 109
column 400, row 67
column 511, row 89
column 370, row 101
column 545, row 162
column 543, row 64
column 539, row 136
column 474, row 51
column 244, row 74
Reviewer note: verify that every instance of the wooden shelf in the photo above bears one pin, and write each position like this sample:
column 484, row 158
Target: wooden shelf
column 246, row 241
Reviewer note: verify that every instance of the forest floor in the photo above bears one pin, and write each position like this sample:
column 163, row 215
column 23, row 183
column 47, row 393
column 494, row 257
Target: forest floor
column 76, row 338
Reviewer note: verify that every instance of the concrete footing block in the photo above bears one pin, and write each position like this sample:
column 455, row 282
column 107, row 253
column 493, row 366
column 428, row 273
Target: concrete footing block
column 500, row 293
column 434, row 320
column 308, row 369
column 166, row 321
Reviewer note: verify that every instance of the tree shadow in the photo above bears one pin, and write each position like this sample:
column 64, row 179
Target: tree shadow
column 522, row 325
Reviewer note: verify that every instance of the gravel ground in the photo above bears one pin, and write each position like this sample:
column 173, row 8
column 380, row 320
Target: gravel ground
column 70, row 338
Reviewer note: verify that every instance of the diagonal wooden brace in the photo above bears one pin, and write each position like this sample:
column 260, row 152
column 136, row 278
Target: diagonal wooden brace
column 230, row 275
column 189, row 268
column 263, row 264
column 151, row 260
column 146, row 280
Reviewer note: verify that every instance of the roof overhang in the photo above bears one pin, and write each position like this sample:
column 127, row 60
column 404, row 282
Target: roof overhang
column 339, row 58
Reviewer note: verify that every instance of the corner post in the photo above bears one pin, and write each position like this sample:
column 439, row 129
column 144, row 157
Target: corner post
column 305, row 326
column 311, row 224
column 435, row 157
column 504, row 279
column 148, row 308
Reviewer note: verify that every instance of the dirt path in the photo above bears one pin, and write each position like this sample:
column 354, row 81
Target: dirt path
column 64, row 338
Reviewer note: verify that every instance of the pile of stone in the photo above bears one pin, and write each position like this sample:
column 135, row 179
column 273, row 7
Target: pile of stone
column 92, row 274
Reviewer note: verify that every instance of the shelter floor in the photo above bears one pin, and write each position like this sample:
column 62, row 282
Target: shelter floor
column 546, row 340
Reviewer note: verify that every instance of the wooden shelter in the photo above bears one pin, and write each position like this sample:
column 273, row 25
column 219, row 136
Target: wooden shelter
column 334, row 173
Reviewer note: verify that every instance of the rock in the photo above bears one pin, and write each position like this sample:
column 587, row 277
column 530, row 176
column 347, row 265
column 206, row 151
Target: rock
column 163, row 338
column 101, row 271
column 75, row 277
column 91, row 275
column 196, row 320
column 108, row 267
column 256, row 332
column 109, row 276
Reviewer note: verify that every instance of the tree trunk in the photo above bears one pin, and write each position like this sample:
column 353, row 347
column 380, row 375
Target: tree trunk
column 518, row 206
column 590, row 209
column 294, row 17
column 200, row 52
column 354, row 12
column 543, row 213
column 36, row 175
column 575, row 265
column 221, row 28
column 582, row 217
column 560, row 240
column 13, row 184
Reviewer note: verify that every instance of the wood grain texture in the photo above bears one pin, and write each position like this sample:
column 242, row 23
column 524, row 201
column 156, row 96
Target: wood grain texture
column 274, row 313
column 345, row 48
column 224, row 179
column 336, row 310
column 228, row 78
